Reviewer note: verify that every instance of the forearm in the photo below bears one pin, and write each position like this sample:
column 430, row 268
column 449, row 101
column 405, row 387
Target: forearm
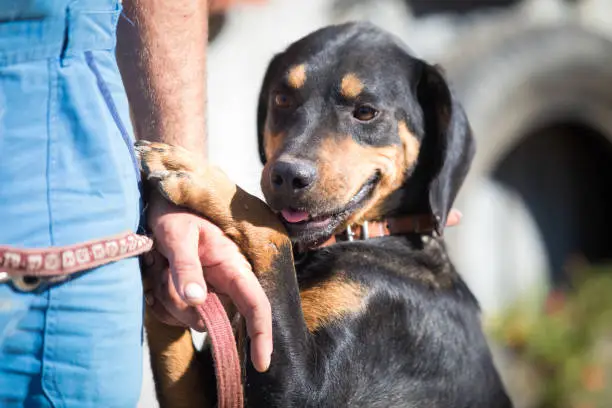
column 161, row 54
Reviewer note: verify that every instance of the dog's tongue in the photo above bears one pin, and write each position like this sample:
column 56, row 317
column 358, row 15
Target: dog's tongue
column 294, row 216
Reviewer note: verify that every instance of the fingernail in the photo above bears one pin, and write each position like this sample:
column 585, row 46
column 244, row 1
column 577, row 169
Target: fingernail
column 267, row 360
column 193, row 291
column 267, row 363
column 149, row 299
column 266, row 357
column 459, row 213
column 262, row 367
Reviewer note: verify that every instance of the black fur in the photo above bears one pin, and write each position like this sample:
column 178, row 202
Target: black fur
column 409, row 88
column 418, row 341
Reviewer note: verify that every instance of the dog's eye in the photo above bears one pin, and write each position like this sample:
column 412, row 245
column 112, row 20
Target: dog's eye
column 282, row 100
column 364, row 113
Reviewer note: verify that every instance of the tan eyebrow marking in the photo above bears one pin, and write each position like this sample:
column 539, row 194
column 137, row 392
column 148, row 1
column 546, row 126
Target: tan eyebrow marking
column 351, row 86
column 297, row 76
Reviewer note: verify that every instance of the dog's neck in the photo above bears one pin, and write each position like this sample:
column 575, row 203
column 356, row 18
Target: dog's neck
column 397, row 225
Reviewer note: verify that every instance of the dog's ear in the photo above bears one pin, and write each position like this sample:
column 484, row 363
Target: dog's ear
column 262, row 104
column 448, row 141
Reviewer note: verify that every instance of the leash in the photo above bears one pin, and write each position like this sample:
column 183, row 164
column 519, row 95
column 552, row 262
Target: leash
column 224, row 352
column 28, row 269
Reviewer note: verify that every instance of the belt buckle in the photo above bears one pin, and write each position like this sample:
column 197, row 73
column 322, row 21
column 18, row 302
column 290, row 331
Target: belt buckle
column 21, row 283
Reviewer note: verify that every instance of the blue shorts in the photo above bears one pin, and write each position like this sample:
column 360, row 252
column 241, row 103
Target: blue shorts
column 67, row 175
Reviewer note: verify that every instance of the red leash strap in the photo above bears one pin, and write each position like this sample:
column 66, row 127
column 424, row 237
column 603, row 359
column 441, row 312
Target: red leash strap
column 225, row 353
column 58, row 263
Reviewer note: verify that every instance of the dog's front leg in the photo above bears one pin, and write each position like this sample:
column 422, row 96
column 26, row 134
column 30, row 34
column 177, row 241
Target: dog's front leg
column 263, row 240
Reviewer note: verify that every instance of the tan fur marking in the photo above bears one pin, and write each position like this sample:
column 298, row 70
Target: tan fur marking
column 297, row 76
column 330, row 300
column 207, row 190
column 272, row 143
column 405, row 160
column 351, row 86
column 410, row 144
column 346, row 165
column 258, row 232
column 253, row 226
column 177, row 373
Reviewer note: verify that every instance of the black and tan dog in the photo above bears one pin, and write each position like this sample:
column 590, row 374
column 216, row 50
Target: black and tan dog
column 352, row 130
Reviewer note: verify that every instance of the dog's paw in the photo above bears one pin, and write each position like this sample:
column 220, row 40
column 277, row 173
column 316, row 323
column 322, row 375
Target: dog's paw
column 170, row 168
column 155, row 157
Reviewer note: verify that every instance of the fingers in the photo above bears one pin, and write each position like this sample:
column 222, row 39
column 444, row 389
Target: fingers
column 177, row 238
column 160, row 312
column 166, row 304
column 190, row 242
column 454, row 217
column 227, row 270
column 235, row 278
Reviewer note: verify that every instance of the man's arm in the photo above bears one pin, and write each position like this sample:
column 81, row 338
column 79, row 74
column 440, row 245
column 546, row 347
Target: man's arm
column 161, row 52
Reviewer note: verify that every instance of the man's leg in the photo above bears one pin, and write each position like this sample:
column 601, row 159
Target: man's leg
column 78, row 344
column 67, row 177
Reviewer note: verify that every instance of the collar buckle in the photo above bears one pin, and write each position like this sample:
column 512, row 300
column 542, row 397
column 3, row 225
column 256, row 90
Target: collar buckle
column 350, row 234
column 365, row 231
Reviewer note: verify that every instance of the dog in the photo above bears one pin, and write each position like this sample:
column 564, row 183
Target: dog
column 364, row 149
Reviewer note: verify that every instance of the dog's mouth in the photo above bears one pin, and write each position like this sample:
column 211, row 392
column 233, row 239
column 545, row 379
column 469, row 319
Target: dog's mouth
column 310, row 229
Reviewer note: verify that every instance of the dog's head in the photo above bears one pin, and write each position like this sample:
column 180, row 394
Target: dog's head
column 352, row 128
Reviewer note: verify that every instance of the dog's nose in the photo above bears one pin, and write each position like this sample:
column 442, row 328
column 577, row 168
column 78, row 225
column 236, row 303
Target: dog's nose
column 292, row 176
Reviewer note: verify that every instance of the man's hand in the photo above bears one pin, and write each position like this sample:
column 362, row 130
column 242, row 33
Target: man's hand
column 161, row 53
column 454, row 218
column 197, row 252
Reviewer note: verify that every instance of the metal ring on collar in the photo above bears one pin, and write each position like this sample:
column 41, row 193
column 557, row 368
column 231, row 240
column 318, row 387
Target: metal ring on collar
column 26, row 283
column 365, row 230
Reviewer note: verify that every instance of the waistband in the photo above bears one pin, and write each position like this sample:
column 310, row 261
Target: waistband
column 59, row 36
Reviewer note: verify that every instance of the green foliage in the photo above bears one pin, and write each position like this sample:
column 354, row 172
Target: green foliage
column 567, row 343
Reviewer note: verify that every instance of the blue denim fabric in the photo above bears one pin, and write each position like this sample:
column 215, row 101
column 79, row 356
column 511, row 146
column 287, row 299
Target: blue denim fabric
column 67, row 175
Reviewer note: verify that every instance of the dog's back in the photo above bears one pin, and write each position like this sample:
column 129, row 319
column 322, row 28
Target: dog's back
column 416, row 341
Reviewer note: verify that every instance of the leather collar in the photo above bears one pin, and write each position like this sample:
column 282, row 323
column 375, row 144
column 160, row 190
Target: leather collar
column 408, row 224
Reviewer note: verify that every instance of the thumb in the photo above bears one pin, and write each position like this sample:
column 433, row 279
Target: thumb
column 180, row 246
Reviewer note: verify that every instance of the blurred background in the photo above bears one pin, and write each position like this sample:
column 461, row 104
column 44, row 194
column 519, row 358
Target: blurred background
column 535, row 77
